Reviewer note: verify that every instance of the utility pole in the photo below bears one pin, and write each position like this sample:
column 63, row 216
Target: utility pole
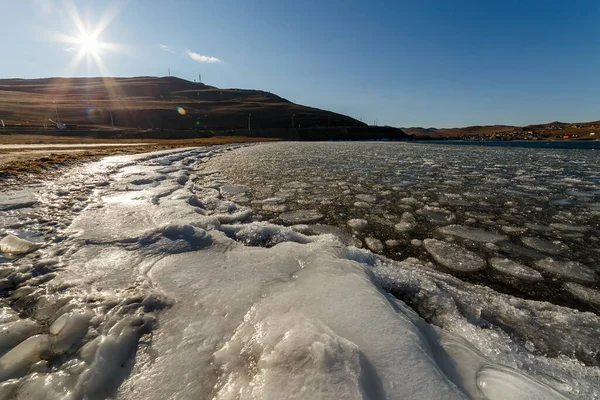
column 56, row 109
column 169, row 71
column 199, row 77
column 249, row 121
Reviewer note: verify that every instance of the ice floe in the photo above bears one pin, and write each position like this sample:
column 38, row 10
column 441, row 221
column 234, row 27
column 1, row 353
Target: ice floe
column 513, row 268
column 454, row 257
column 11, row 244
column 568, row 269
column 476, row 235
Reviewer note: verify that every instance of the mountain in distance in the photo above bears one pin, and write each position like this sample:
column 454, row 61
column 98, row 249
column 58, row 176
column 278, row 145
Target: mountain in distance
column 153, row 103
column 552, row 130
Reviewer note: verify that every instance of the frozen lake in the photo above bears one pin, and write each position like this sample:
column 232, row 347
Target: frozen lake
column 524, row 221
column 305, row 270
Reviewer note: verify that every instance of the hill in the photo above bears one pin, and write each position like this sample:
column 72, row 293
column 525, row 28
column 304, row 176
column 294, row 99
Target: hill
column 152, row 103
column 550, row 131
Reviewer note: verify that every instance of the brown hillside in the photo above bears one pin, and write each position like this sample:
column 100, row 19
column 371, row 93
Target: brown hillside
column 151, row 103
column 551, row 131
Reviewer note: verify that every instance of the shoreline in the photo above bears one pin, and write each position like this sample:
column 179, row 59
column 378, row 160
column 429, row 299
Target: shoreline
column 22, row 165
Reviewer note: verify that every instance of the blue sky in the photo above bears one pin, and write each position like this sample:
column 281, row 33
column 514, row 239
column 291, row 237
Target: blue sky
column 402, row 63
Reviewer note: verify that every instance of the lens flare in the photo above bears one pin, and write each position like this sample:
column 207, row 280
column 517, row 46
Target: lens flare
column 93, row 114
column 181, row 110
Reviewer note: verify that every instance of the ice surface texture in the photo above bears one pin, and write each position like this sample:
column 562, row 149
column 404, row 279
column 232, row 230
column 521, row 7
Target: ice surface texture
column 161, row 286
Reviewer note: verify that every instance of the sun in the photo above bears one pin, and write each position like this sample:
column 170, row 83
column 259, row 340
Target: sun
column 89, row 44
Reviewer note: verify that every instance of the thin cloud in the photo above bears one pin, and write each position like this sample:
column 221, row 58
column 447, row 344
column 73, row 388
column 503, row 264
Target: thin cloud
column 166, row 48
column 200, row 58
column 69, row 49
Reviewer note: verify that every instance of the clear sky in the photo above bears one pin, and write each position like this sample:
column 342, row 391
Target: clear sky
column 424, row 63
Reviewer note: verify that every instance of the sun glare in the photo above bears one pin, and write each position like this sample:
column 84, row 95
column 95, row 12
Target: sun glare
column 89, row 44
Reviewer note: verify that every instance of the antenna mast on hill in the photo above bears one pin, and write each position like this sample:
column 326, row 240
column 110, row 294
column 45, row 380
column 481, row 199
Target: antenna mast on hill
column 169, row 71
column 199, row 77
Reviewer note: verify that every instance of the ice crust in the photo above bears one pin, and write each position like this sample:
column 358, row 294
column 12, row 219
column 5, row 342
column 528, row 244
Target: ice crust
column 166, row 288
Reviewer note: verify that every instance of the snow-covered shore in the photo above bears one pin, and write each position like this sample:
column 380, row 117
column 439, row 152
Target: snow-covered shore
column 148, row 284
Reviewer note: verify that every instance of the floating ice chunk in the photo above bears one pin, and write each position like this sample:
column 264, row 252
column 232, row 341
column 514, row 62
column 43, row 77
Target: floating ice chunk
column 367, row 198
column 568, row 269
column 410, row 201
column 68, row 329
column 13, row 333
column 407, row 223
column 13, row 245
column 515, row 269
column 232, row 189
column 17, row 361
column 544, row 245
column 584, row 293
column 279, row 208
column 358, row 223
column 436, row 214
column 498, row 382
column 274, row 200
column 7, row 315
column 301, row 216
column 453, row 257
column 569, row 227
column 520, row 251
column 513, row 229
column 476, row 235
column 374, row 244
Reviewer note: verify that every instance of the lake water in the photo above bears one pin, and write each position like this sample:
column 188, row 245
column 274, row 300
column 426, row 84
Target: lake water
column 525, row 221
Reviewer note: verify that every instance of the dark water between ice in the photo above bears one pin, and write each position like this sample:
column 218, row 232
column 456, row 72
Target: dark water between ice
column 523, row 221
